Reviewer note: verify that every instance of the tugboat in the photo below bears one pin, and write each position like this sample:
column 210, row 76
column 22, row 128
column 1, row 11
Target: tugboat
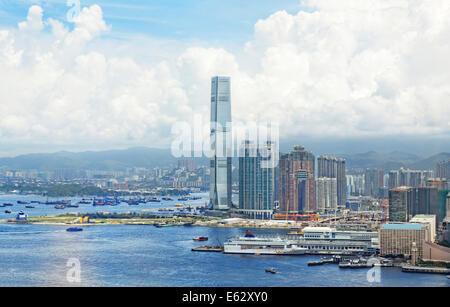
column 200, row 239
column 74, row 229
column 272, row 271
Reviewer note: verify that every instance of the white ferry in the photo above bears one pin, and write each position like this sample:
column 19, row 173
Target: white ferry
column 250, row 244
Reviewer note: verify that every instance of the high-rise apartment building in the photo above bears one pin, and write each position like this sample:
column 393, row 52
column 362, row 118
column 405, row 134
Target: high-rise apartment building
column 296, row 181
column 187, row 164
column 373, row 181
column 220, row 136
column 326, row 194
column 443, row 169
column 330, row 167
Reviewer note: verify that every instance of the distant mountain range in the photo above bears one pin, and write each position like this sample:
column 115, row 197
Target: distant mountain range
column 393, row 160
column 95, row 160
column 152, row 157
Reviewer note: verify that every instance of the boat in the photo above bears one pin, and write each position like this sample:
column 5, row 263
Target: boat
column 87, row 202
column 35, row 202
column 208, row 248
column 60, row 207
column 183, row 199
column 248, row 234
column 8, row 204
column 21, row 216
column 74, row 229
column 21, row 202
column 7, row 211
column 162, row 225
column 166, row 198
column 263, row 246
column 153, row 200
column 29, row 207
column 72, row 206
column 271, row 271
column 200, row 239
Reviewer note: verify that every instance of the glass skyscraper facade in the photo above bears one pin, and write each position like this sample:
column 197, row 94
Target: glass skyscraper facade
column 256, row 182
column 221, row 138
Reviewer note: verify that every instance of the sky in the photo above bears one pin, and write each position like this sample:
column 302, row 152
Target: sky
column 342, row 76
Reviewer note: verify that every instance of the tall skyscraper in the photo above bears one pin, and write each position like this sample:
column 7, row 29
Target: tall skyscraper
column 296, row 181
column 256, row 182
column 220, row 187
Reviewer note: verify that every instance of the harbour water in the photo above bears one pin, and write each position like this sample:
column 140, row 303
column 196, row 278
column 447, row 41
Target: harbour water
column 46, row 210
column 37, row 255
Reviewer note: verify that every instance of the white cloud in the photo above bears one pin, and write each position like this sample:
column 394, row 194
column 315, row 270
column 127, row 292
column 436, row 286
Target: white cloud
column 88, row 25
column 347, row 68
column 34, row 20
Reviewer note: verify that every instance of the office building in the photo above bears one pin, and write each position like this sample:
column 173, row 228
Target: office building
column 399, row 238
column 401, row 204
column 220, row 186
column 442, row 191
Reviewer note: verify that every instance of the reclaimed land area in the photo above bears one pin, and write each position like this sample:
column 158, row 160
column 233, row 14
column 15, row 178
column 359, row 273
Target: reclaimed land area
column 108, row 219
column 104, row 218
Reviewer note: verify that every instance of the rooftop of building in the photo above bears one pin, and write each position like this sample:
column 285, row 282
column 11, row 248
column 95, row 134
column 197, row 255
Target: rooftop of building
column 402, row 188
column 407, row 226
column 318, row 229
column 424, row 216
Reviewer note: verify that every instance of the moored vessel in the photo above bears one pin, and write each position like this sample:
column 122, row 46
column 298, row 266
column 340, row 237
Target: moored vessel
column 263, row 246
